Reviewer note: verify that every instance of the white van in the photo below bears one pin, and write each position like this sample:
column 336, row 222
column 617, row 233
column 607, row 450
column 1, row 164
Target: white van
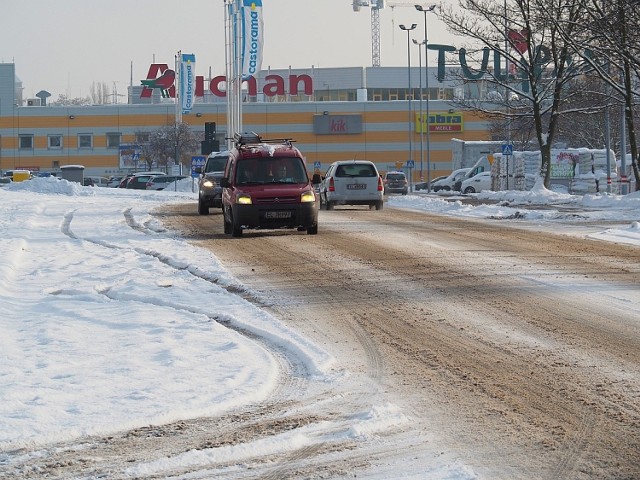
column 482, row 165
column 447, row 184
column 477, row 183
column 97, row 181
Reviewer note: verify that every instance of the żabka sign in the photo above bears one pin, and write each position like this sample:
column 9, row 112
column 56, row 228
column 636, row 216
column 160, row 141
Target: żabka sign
column 275, row 84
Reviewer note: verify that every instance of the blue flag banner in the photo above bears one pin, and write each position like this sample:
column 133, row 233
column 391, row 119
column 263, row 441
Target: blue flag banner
column 252, row 37
column 187, row 81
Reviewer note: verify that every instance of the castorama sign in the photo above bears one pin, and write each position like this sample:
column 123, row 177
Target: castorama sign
column 187, row 81
column 252, row 37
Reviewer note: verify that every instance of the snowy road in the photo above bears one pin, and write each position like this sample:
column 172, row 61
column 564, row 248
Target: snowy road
column 514, row 351
column 394, row 344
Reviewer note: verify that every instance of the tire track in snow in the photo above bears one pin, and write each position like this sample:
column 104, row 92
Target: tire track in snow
column 292, row 369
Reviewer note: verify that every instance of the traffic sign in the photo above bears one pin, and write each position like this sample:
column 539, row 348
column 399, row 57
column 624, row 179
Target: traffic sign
column 507, row 149
column 197, row 161
column 317, row 165
column 411, row 163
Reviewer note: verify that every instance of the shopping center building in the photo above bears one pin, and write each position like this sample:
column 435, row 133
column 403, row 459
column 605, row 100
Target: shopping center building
column 331, row 113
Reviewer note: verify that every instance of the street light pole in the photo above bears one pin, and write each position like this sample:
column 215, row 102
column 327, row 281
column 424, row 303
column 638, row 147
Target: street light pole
column 424, row 10
column 409, row 96
column 419, row 44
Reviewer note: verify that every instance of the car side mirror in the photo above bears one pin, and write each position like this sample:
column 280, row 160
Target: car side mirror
column 224, row 182
column 316, row 179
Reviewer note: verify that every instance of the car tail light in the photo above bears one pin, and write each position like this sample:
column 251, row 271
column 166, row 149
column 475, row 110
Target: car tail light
column 149, row 184
column 332, row 186
column 380, row 185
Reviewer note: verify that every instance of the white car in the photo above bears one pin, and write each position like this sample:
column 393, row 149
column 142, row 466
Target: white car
column 352, row 182
column 447, row 183
column 477, row 183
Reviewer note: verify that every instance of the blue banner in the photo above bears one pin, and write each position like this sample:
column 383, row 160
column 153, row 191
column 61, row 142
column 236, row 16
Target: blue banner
column 252, row 37
column 187, row 81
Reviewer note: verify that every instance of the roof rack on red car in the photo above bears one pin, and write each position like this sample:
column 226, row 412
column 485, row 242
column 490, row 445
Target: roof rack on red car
column 252, row 138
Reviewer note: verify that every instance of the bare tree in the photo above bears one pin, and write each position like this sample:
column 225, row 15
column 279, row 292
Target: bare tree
column 172, row 142
column 608, row 43
column 99, row 93
column 537, row 85
column 64, row 100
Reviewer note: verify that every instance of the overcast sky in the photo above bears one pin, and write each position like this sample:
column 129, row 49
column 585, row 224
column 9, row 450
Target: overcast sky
column 65, row 46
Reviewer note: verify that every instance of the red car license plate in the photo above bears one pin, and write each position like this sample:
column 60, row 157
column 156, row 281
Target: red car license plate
column 357, row 186
column 278, row 214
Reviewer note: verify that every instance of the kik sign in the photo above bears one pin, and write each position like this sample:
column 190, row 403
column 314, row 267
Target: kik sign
column 326, row 124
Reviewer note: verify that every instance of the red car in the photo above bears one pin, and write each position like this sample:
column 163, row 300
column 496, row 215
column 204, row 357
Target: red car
column 266, row 186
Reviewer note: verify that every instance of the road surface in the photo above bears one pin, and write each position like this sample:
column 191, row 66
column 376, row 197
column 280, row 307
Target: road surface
column 514, row 352
column 519, row 347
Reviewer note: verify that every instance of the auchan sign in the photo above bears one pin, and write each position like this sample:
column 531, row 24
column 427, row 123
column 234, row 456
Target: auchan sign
column 275, row 84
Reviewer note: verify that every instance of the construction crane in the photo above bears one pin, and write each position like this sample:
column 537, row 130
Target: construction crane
column 376, row 6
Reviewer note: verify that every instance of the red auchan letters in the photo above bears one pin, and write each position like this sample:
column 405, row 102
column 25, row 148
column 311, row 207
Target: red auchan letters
column 275, row 84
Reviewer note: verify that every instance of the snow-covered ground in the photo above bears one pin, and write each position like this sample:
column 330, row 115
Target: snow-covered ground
column 101, row 333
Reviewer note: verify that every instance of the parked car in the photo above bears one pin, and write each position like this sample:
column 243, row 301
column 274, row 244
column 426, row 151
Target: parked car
column 396, row 182
column 209, row 189
column 447, row 183
column 124, row 180
column 481, row 165
column 138, row 181
column 160, row 182
column 425, row 185
column 114, row 182
column 96, row 181
column 477, row 183
column 266, row 185
column 352, row 182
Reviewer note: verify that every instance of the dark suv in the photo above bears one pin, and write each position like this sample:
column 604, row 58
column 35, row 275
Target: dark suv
column 396, row 182
column 209, row 189
column 266, row 186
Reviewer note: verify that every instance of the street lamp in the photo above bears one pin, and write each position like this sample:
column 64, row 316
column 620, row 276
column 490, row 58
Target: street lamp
column 424, row 10
column 408, row 29
column 419, row 44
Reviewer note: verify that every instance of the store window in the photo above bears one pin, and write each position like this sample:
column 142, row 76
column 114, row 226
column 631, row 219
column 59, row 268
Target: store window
column 54, row 142
column 85, row 140
column 113, row 140
column 26, row 142
column 142, row 137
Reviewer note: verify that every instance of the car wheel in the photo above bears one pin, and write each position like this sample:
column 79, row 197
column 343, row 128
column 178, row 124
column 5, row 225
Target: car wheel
column 236, row 228
column 330, row 205
column 227, row 224
column 379, row 205
column 202, row 209
column 469, row 190
column 312, row 230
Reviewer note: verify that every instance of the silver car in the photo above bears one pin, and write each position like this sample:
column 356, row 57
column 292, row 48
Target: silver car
column 352, row 182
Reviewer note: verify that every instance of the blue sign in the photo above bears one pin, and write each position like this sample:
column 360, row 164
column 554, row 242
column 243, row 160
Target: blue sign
column 197, row 162
column 507, row 149
column 317, row 165
column 411, row 163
